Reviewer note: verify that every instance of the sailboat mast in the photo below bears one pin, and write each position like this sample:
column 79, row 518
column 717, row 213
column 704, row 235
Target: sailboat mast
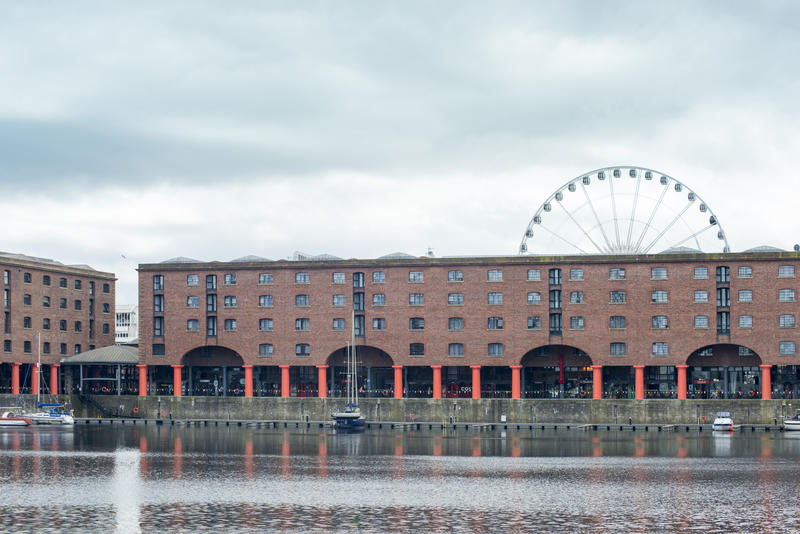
column 353, row 354
column 38, row 366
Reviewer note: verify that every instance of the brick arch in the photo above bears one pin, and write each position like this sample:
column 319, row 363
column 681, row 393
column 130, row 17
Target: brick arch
column 723, row 354
column 212, row 355
column 548, row 356
column 365, row 354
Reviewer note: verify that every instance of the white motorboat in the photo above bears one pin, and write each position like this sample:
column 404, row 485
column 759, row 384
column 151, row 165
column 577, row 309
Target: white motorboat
column 792, row 424
column 55, row 415
column 11, row 419
column 723, row 422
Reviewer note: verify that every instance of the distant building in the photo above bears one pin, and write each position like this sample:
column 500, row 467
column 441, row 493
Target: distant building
column 126, row 325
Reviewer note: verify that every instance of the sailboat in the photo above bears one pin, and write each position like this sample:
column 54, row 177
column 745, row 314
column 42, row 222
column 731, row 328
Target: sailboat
column 350, row 418
column 49, row 413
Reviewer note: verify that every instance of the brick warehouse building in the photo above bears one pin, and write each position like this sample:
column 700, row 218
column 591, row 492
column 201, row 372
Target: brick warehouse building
column 671, row 325
column 71, row 306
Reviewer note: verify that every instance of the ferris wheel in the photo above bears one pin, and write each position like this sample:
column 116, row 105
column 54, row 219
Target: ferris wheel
column 623, row 210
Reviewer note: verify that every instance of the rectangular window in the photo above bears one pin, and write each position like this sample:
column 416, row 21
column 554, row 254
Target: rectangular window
column 62, row 282
column 495, row 299
column 455, row 299
column 534, row 323
column 230, row 301
column 358, row 301
column 786, row 347
column 660, row 348
column 46, row 347
column 79, row 327
column 105, row 328
column 358, row 280
column 576, row 297
column 555, row 298
column 576, row 323
column 416, row 299
column 495, row 349
column 379, row 323
column 495, row 323
column 191, row 280
column 658, row 296
column 338, row 278
column 265, row 350
column 158, row 349
column 554, row 277
column 576, row 274
column 786, row 320
column 301, row 300
column 701, row 273
column 455, row 323
column 379, row 299
column 786, row 271
column 78, row 283
column 45, row 281
column 555, row 323
column 745, row 321
column 302, row 325
column 106, row 307
column 302, row 349
column 211, row 281
column 416, row 323
column 723, row 275
column 744, row 351
column 495, row 275
column 211, row 303
column 7, row 345
column 616, row 321
column 701, row 295
column 193, row 325
column 265, row 301
column 786, row 295
column 455, row 349
column 416, row 349
column 658, row 273
column 616, row 274
column 158, row 304
column 26, row 300
column 338, row 324
column 192, row 302
column 26, row 322
column 158, row 326
column 745, row 295
column 62, row 349
column 45, row 324
column 338, row 300
column 302, row 278
column 77, row 304
column 723, row 322
column 158, row 283
column 617, row 297
column 534, row 298
column 6, row 277
column 618, row 349
column 660, row 322
column 26, row 347
column 46, row 302
column 26, row 277
column 62, row 325
column 106, row 288
column 534, row 275
column 378, row 277
column 265, row 325
column 416, row 276
column 701, row 321
column 745, row 272
column 265, row 278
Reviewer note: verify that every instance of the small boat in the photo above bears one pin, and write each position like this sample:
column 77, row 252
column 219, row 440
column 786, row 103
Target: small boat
column 350, row 418
column 722, row 421
column 11, row 419
column 53, row 414
column 792, row 424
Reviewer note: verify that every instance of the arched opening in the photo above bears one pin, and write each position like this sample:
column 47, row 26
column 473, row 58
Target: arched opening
column 212, row 371
column 375, row 376
column 723, row 371
column 556, row 371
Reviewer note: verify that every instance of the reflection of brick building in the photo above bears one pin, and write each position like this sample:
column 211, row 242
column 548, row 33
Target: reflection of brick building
column 533, row 326
column 71, row 306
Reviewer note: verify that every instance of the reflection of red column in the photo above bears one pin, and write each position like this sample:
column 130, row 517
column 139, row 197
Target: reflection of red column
column 597, row 381
column 15, row 378
column 398, row 381
column 639, row 369
column 142, row 379
column 284, row 381
column 248, row 458
column 35, row 379
column 178, row 457
column 476, row 381
column 176, row 380
column 322, row 381
column 437, row 381
column 766, row 381
column 682, row 381
column 248, row 380
column 515, row 388
column 54, row 378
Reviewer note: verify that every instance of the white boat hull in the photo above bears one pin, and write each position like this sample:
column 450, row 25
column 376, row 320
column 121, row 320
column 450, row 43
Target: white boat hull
column 791, row 425
column 44, row 418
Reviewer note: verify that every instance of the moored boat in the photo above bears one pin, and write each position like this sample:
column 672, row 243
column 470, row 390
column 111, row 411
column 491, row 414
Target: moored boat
column 792, row 424
column 722, row 421
column 53, row 414
column 11, row 419
column 350, row 418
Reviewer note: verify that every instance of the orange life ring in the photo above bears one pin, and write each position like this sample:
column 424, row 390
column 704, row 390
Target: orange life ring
column 702, row 418
column 135, row 409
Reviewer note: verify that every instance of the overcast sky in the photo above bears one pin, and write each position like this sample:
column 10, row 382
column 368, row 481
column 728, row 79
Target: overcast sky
column 215, row 130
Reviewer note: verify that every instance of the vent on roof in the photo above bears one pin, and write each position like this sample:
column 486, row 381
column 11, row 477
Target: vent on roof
column 251, row 258
column 302, row 256
column 765, row 248
column 181, row 259
column 397, row 256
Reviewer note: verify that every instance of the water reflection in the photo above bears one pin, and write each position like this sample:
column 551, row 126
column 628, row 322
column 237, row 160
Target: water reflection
column 126, row 490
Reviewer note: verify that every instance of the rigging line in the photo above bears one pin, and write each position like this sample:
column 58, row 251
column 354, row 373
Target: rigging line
column 614, row 207
column 596, row 218
column 673, row 221
column 633, row 209
column 564, row 240
column 569, row 214
column 692, row 236
column 652, row 214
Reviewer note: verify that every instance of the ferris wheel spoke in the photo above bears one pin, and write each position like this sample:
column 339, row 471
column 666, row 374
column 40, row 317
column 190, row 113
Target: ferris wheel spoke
column 596, row 218
column 580, row 227
column 614, row 208
column 652, row 215
column 666, row 228
column 633, row 210
column 558, row 236
column 693, row 236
